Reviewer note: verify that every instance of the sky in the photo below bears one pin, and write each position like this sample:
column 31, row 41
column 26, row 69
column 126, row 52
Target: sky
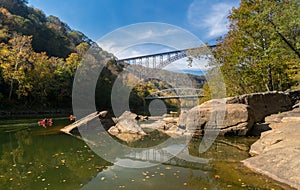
column 206, row 19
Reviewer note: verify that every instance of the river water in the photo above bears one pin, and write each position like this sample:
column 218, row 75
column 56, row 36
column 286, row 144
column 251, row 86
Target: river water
column 34, row 158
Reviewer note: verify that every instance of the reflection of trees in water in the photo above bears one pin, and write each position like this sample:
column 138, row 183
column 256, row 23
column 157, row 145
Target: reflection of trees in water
column 33, row 162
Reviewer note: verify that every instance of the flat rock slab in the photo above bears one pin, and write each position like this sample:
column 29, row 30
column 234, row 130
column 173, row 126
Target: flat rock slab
column 277, row 154
column 283, row 167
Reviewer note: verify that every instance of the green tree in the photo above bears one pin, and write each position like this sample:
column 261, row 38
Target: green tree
column 261, row 50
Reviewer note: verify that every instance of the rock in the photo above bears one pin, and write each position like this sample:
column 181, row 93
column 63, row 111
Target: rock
column 276, row 153
column 167, row 125
column 141, row 118
column 171, row 119
column 296, row 105
column 127, row 123
column 264, row 104
column 229, row 118
column 113, row 130
column 103, row 114
column 154, row 125
column 129, row 138
column 294, row 95
column 258, row 128
column 290, row 119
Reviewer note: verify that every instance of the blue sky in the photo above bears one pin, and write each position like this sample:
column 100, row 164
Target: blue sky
column 206, row 19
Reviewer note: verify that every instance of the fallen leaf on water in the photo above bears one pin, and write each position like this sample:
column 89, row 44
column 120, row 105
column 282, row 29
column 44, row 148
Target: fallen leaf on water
column 217, row 177
column 63, row 161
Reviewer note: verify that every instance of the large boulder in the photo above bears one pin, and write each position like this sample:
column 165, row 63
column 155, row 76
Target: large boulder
column 236, row 119
column 264, row 104
column 127, row 123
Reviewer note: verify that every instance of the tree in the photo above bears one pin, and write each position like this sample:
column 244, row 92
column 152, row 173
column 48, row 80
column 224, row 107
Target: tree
column 260, row 51
column 15, row 63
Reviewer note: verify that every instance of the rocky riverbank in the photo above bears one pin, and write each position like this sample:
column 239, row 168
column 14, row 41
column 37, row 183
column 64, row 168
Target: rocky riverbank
column 277, row 152
column 273, row 115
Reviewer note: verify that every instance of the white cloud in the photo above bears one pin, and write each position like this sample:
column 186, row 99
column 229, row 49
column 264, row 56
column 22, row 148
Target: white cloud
column 126, row 42
column 210, row 17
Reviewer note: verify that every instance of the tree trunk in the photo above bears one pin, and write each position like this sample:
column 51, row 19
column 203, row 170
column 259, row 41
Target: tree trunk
column 270, row 78
column 11, row 89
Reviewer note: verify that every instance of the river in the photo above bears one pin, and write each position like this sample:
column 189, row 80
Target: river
column 32, row 157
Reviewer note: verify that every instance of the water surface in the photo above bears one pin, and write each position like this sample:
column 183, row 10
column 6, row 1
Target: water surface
column 32, row 157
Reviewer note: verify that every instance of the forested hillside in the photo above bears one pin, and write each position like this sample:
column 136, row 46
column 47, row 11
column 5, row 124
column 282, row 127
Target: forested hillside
column 38, row 58
column 49, row 34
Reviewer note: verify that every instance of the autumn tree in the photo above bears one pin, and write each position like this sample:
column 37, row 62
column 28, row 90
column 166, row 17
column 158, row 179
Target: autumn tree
column 15, row 63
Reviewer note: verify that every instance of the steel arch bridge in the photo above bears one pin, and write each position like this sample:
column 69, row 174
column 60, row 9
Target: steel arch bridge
column 159, row 60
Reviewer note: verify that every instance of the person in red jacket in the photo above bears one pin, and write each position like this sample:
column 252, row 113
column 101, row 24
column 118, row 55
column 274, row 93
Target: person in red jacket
column 49, row 122
column 72, row 117
column 43, row 123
